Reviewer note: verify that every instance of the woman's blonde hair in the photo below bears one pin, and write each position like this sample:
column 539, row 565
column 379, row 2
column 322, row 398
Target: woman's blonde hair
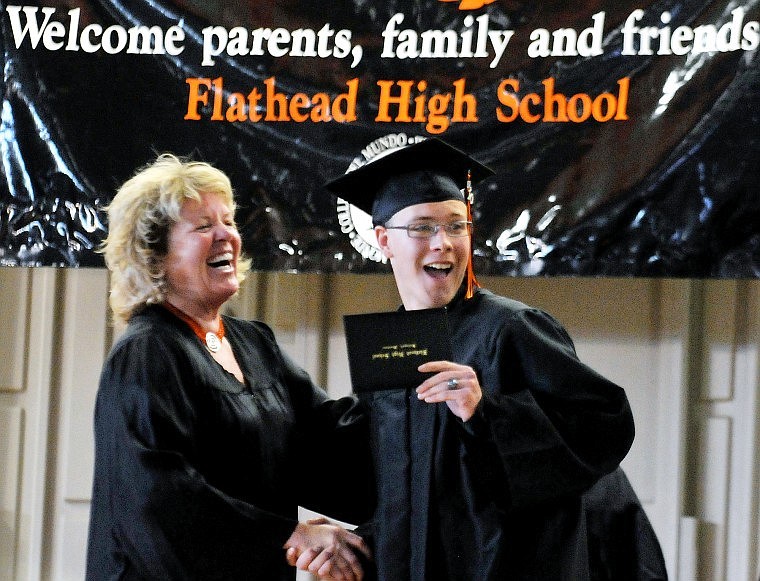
column 139, row 219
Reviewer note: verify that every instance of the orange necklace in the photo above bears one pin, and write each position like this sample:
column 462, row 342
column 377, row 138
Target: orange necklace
column 213, row 341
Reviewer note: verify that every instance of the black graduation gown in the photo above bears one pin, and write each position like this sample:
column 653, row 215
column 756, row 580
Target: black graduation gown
column 499, row 497
column 198, row 476
column 622, row 543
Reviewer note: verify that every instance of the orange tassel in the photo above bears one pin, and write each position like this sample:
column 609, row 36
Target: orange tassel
column 472, row 282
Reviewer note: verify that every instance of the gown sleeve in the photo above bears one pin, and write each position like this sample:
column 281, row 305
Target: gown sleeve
column 554, row 426
column 622, row 543
column 338, row 452
column 152, row 510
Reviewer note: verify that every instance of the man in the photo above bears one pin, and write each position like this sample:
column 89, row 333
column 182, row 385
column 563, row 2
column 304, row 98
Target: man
column 522, row 429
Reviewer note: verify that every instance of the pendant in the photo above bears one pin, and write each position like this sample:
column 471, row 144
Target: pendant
column 212, row 342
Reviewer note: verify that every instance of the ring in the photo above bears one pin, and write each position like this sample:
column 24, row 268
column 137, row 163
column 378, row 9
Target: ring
column 453, row 382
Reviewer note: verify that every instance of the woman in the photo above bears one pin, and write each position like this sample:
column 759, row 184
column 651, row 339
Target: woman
column 203, row 426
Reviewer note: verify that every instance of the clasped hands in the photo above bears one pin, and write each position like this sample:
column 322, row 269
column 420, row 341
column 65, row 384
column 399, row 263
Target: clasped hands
column 326, row 550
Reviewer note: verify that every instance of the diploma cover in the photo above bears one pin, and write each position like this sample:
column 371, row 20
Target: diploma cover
column 385, row 349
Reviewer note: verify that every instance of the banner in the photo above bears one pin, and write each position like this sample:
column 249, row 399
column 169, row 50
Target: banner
column 625, row 136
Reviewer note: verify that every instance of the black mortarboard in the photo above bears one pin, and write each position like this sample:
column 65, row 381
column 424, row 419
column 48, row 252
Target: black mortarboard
column 428, row 171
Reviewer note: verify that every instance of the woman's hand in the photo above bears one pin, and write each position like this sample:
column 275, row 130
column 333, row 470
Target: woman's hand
column 455, row 384
column 326, row 550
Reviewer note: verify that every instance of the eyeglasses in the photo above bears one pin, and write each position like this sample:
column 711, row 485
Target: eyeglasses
column 428, row 230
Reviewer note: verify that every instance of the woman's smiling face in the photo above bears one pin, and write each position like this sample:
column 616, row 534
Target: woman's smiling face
column 428, row 271
column 201, row 263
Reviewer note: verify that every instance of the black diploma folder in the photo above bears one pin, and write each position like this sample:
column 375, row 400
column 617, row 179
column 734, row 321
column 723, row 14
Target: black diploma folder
column 385, row 349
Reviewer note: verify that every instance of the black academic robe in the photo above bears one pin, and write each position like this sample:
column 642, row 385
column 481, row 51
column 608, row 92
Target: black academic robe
column 500, row 496
column 622, row 544
column 198, row 476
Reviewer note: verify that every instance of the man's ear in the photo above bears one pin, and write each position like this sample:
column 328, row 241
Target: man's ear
column 382, row 241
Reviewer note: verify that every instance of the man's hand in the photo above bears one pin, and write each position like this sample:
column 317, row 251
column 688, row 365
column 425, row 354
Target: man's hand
column 455, row 384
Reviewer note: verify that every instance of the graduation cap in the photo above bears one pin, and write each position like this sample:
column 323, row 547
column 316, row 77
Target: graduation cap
column 427, row 171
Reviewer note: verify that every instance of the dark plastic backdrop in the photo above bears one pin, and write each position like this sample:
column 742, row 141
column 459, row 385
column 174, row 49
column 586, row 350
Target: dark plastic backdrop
column 671, row 192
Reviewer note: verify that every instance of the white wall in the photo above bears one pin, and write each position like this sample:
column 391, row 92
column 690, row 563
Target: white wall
column 687, row 352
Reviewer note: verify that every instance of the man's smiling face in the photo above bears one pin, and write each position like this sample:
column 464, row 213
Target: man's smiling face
column 428, row 271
